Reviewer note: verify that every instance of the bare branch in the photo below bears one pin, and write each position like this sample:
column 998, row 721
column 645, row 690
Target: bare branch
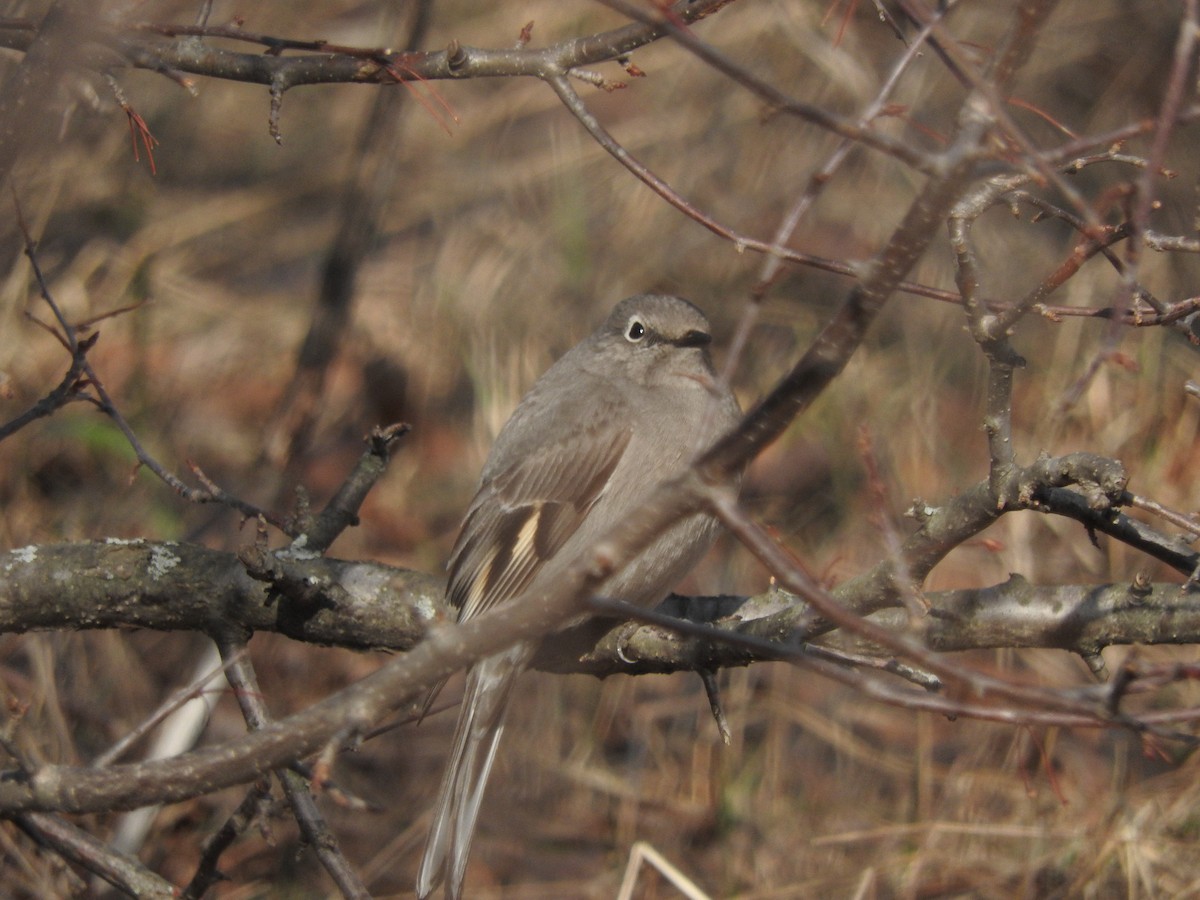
column 248, row 811
column 370, row 606
column 81, row 848
column 671, row 22
column 316, row 831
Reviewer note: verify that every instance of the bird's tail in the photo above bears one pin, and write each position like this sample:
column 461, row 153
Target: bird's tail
column 480, row 724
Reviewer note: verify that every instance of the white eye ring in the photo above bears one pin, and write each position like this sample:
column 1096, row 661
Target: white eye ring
column 635, row 331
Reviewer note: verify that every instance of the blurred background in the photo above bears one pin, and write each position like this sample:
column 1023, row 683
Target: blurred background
column 505, row 236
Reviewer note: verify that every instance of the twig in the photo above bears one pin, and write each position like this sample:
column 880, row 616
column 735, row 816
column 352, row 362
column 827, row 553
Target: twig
column 773, row 264
column 1170, row 242
column 68, row 390
column 168, row 706
column 74, row 844
column 709, row 679
column 669, row 22
column 342, row 510
column 976, row 683
column 566, row 92
column 179, row 732
column 1017, row 47
column 247, row 813
column 360, row 218
column 1168, row 114
column 841, row 336
column 87, row 377
column 316, row 831
column 1189, row 522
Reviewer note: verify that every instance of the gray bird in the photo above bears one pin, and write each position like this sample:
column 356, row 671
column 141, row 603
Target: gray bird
column 628, row 407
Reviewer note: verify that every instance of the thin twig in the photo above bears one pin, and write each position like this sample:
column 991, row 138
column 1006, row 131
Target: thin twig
column 87, row 377
column 316, row 831
column 1189, row 522
column 1168, row 115
column 773, row 264
column 249, row 811
column 667, row 21
column 168, row 706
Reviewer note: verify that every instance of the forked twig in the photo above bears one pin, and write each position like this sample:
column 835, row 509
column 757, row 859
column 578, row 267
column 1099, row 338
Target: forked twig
column 86, row 385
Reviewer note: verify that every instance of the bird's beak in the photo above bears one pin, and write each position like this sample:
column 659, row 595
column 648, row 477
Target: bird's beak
column 693, row 338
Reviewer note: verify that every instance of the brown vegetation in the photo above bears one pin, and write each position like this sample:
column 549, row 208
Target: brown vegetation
column 493, row 232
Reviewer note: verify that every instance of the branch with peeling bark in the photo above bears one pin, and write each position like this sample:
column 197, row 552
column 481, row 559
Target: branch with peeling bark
column 369, row 606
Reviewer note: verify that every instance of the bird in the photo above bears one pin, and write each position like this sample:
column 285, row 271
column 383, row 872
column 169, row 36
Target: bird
column 629, row 406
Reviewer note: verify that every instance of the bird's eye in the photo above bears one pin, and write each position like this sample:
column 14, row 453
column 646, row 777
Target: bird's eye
column 635, row 331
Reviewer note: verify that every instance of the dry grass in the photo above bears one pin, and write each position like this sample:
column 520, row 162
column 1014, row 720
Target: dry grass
column 505, row 241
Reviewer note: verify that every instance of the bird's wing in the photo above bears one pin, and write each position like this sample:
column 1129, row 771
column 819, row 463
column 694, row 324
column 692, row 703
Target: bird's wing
column 523, row 514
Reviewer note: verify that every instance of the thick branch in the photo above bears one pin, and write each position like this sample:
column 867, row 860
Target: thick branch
column 359, row 606
column 172, row 586
column 1082, row 619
